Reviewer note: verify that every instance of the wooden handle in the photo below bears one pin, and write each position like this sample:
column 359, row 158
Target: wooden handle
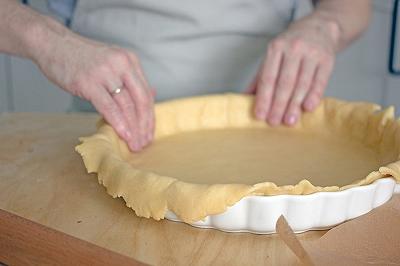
column 23, row 242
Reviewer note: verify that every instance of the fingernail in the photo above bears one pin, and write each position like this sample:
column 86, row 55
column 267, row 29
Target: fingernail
column 137, row 147
column 134, row 145
column 291, row 120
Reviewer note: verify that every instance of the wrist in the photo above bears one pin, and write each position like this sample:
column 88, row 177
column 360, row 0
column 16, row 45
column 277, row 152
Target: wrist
column 333, row 29
column 324, row 26
column 330, row 26
column 41, row 37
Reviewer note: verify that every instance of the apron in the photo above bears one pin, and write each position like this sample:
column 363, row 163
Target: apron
column 187, row 48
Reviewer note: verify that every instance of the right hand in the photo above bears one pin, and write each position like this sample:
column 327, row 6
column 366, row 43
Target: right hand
column 92, row 70
column 296, row 70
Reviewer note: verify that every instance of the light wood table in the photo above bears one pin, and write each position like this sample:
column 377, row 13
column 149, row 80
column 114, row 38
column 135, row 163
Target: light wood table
column 43, row 179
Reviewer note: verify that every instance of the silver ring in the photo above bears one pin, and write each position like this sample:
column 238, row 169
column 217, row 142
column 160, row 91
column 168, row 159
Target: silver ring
column 116, row 91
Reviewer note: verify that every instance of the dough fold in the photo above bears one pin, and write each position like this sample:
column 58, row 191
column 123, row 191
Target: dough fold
column 151, row 195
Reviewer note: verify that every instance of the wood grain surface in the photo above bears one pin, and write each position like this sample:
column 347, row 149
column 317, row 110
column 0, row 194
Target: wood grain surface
column 43, row 179
column 24, row 242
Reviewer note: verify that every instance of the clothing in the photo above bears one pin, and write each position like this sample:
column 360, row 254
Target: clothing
column 63, row 9
column 189, row 47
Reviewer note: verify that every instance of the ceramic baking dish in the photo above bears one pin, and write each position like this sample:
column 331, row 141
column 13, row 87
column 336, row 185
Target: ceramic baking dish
column 318, row 211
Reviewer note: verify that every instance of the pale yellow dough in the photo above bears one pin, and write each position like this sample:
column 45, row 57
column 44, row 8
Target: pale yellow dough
column 209, row 152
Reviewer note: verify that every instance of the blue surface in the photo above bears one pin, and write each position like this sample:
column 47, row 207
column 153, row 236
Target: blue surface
column 63, row 8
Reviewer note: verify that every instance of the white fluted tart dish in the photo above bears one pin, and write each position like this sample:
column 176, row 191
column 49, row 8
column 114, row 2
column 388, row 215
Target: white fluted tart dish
column 213, row 165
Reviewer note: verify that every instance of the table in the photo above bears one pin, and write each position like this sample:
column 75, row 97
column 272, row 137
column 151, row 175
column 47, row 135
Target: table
column 44, row 180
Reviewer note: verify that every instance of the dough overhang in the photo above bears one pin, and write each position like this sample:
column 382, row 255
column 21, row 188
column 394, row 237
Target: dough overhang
column 362, row 140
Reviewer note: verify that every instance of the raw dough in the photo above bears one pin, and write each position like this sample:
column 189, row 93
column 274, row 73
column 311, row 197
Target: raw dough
column 251, row 156
column 209, row 153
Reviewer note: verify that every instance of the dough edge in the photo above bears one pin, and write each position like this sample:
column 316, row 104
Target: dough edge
column 152, row 195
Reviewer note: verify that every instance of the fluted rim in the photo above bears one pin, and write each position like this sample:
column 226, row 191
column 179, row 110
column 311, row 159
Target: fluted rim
column 152, row 195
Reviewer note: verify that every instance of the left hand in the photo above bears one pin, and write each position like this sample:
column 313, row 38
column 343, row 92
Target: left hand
column 295, row 71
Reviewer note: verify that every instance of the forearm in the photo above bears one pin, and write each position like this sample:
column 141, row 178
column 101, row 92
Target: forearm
column 344, row 20
column 25, row 32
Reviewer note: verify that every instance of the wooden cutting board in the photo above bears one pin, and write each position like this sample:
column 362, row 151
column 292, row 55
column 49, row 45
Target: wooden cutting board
column 43, row 179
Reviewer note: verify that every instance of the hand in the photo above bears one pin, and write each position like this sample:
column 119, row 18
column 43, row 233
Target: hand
column 295, row 72
column 92, row 71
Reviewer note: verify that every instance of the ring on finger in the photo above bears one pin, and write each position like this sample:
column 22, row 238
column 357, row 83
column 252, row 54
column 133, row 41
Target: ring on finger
column 116, row 90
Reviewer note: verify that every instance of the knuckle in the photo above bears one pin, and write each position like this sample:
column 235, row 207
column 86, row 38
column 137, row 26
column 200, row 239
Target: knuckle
column 298, row 98
column 77, row 86
column 74, row 85
column 281, row 100
column 278, row 106
column 303, row 84
column 276, row 110
column 318, row 101
column 120, row 128
column 108, row 109
column 128, row 106
column 287, row 82
column 320, row 52
column 320, row 84
column 102, row 70
column 144, row 106
column 112, row 117
column 281, row 97
column 133, row 58
column 97, row 73
column 298, row 45
column 146, row 103
column 260, row 108
column 312, row 97
column 314, row 52
column 266, row 81
column 262, row 103
column 328, row 61
column 117, row 55
column 293, row 105
column 318, row 93
column 119, row 59
column 277, row 44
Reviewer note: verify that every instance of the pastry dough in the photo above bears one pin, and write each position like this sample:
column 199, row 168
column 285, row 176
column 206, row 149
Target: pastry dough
column 209, row 152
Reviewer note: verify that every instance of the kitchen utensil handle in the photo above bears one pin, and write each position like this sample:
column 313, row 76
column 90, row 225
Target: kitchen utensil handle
column 393, row 39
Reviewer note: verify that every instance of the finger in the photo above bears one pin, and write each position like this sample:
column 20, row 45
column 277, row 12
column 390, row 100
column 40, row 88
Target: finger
column 152, row 125
column 306, row 75
column 318, row 86
column 266, row 83
column 284, row 88
column 143, row 105
column 151, row 121
column 139, row 69
column 251, row 89
column 109, row 109
column 127, row 106
column 151, row 93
